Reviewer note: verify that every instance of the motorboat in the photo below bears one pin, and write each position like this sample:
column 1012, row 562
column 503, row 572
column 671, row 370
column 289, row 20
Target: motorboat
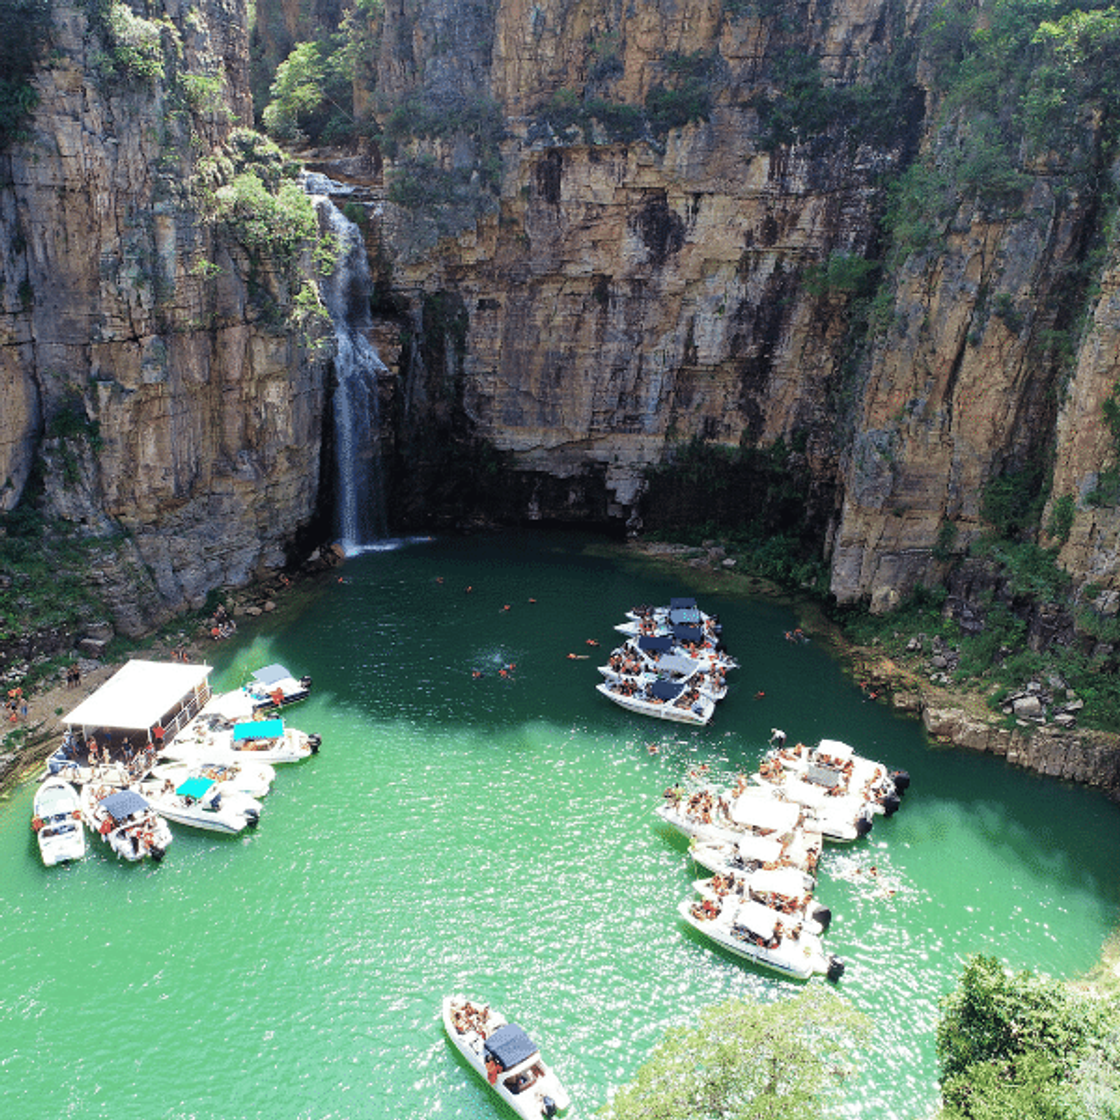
column 125, row 821
column 669, row 700
column 711, row 813
column 762, row 935
column 835, row 767
column 503, row 1054
column 625, row 664
column 56, row 817
column 202, row 803
column 682, row 611
column 785, row 889
column 240, row 775
column 751, row 852
column 274, row 687
column 841, row 817
column 212, row 736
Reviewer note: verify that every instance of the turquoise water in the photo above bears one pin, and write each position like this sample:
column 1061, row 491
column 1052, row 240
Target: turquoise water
column 495, row 836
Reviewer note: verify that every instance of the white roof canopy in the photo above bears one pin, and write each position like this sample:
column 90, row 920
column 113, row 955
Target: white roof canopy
column 760, row 809
column 834, row 749
column 138, row 695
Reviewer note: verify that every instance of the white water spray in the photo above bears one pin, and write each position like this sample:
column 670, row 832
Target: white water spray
column 359, row 498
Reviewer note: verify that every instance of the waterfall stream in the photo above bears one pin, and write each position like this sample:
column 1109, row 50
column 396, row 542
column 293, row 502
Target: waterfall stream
column 359, row 497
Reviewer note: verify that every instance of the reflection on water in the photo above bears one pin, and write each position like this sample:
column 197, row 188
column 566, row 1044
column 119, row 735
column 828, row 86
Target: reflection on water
column 495, row 835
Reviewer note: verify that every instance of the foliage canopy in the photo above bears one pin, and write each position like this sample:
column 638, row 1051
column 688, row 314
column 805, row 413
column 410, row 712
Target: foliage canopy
column 785, row 1060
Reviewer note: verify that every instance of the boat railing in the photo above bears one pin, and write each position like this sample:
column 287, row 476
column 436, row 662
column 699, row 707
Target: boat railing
column 188, row 711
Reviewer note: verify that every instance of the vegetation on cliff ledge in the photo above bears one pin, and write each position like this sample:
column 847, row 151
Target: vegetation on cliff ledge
column 23, row 33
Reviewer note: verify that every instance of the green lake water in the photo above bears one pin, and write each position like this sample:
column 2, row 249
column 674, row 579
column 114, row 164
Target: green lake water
column 496, row 836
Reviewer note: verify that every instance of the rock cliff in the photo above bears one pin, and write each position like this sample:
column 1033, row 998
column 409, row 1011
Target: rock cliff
column 598, row 231
column 621, row 293
column 147, row 368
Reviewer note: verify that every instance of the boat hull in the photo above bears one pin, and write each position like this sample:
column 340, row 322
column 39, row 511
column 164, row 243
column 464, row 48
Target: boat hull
column 667, row 711
column 531, row 1103
column 57, row 822
column 796, row 962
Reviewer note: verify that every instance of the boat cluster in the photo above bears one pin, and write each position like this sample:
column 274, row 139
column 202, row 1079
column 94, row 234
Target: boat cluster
column 761, row 840
column 210, row 774
column 671, row 666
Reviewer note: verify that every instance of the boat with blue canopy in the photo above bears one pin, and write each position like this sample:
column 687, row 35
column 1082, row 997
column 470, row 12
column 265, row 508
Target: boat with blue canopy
column 503, row 1053
column 125, row 820
column 200, row 802
column 662, row 699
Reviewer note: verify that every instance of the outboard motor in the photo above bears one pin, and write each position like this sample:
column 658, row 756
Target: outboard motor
column 891, row 804
column 305, row 682
column 156, row 852
column 823, row 915
column 863, row 826
column 314, row 742
column 548, row 1107
column 252, row 817
column 835, row 969
column 901, row 779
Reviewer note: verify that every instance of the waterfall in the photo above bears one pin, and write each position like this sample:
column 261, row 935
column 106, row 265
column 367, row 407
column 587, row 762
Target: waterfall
column 359, row 496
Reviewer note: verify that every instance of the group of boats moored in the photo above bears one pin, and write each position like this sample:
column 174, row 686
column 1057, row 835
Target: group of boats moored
column 208, row 769
column 761, row 841
column 671, row 666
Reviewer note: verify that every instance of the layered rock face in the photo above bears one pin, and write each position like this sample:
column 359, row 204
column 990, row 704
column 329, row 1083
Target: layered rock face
column 625, row 296
column 139, row 348
column 629, row 295
column 594, row 293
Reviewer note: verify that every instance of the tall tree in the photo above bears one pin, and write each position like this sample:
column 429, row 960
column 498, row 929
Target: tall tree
column 785, row 1060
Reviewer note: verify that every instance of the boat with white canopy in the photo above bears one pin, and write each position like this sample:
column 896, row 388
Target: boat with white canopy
column 762, row 935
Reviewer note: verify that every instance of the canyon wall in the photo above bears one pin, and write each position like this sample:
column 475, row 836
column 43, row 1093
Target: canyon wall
column 599, row 231
column 146, row 366
column 622, row 296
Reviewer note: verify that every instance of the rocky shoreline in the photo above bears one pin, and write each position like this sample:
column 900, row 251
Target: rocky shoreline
column 950, row 715
column 21, row 755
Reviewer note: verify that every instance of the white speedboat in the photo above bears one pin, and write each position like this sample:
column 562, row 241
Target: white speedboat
column 669, row 700
column 274, row 687
column 763, row 840
column 679, row 612
column 840, row 817
column 626, row 664
column 125, row 821
column 202, row 803
column 835, row 767
column 503, row 1054
column 57, row 821
column 254, row 779
column 762, row 935
column 212, row 736
column 785, row 889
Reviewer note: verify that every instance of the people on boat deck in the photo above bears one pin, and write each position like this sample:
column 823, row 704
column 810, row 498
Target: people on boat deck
column 470, row 1018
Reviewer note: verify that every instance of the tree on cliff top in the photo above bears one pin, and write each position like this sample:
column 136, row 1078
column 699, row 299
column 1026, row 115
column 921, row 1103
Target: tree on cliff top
column 1016, row 1044
column 785, row 1060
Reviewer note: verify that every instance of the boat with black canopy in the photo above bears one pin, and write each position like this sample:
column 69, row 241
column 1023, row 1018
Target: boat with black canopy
column 125, row 821
column 671, row 700
column 505, row 1055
